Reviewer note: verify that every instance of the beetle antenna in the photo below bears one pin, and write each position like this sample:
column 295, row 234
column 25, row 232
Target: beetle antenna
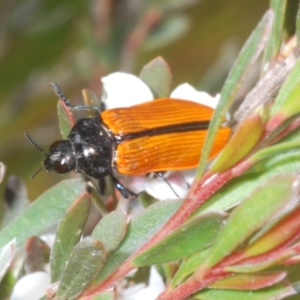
column 58, row 92
column 161, row 175
column 36, row 172
column 34, row 144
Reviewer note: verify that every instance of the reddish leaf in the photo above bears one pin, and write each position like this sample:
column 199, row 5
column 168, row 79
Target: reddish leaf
column 249, row 282
column 243, row 140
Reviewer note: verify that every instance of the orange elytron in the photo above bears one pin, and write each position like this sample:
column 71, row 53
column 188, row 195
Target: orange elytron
column 164, row 134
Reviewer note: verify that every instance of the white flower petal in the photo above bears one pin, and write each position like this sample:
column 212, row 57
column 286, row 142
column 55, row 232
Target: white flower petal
column 48, row 238
column 187, row 92
column 155, row 287
column 130, row 292
column 31, row 287
column 159, row 189
column 123, row 90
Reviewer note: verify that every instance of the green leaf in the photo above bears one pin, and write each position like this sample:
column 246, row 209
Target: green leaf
column 249, row 282
column 192, row 236
column 7, row 285
column 147, row 199
column 237, row 189
column 84, row 264
column 65, row 119
column 275, row 38
column 261, row 263
column 291, row 105
column 139, row 231
column 188, row 266
column 43, row 212
column 290, row 83
column 157, row 75
column 240, row 69
column 170, row 29
column 91, row 99
column 289, row 110
column 285, row 230
column 278, row 291
column 262, row 205
column 110, row 295
column 245, row 137
column 111, row 229
column 274, row 150
column 68, row 234
column 6, row 257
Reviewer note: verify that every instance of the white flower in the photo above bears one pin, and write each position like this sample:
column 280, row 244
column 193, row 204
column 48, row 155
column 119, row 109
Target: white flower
column 143, row 291
column 155, row 287
column 187, row 92
column 123, row 90
column 31, row 287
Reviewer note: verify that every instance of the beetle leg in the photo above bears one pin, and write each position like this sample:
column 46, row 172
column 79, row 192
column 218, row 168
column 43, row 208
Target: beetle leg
column 126, row 193
column 62, row 96
column 161, row 175
column 102, row 186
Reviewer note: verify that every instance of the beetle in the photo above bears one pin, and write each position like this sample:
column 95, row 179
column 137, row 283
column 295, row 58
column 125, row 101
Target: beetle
column 155, row 136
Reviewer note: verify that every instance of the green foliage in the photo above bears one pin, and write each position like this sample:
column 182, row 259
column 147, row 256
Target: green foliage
column 241, row 215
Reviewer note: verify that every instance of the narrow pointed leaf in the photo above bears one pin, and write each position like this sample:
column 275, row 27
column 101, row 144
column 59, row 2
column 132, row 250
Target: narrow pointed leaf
column 6, row 257
column 274, row 150
column 261, row 263
column 7, row 285
column 267, row 165
column 286, row 89
column 91, row 99
column 84, row 264
column 278, row 291
column 288, row 109
column 291, row 106
column 157, row 75
column 68, row 234
column 43, row 212
column 139, row 231
column 147, row 199
column 243, row 140
column 194, row 235
column 109, row 295
column 286, row 229
column 240, row 69
column 274, row 41
column 65, row 119
column 111, row 229
column 249, row 282
column 262, row 205
column 188, row 266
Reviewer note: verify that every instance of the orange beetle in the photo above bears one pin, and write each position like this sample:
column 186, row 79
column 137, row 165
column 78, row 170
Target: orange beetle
column 164, row 134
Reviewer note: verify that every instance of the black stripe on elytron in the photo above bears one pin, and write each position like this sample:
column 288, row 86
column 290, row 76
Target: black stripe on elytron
column 183, row 127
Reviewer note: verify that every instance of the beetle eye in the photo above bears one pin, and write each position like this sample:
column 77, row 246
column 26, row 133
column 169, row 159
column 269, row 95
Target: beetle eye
column 61, row 158
column 63, row 166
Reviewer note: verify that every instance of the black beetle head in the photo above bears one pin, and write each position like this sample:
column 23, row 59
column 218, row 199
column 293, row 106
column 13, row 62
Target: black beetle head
column 61, row 158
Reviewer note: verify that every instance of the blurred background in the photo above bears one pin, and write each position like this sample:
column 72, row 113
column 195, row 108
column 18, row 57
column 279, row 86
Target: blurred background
column 75, row 43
